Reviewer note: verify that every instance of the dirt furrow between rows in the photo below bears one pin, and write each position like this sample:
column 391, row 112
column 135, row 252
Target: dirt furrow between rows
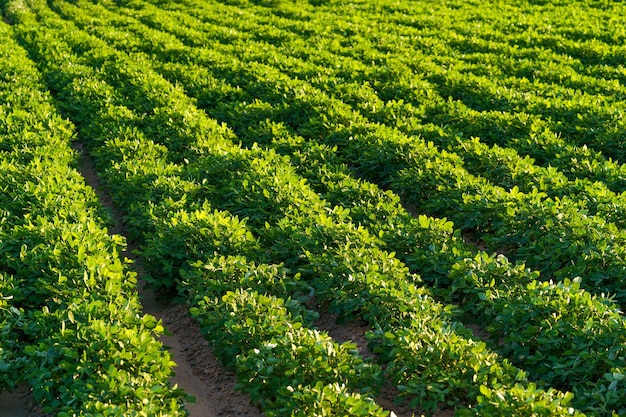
column 198, row 371
column 355, row 331
column 19, row 403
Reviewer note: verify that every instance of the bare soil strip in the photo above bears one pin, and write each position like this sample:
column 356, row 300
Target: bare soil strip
column 478, row 331
column 19, row 403
column 198, row 372
column 354, row 331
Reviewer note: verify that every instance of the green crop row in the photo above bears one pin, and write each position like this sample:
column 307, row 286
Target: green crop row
column 216, row 162
column 483, row 63
column 497, row 294
column 486, row 286
column 342, row 81
column 346, row 79
column 285, row 367
column 416, row 170
column 181, row 154
column 70, row 321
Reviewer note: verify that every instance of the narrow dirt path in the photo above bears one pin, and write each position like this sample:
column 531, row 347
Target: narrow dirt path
column 19, row 403
column 354, row 331
column 198, row 372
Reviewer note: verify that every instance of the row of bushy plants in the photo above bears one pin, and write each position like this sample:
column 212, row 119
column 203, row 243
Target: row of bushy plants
column 477, row 293
column 70, row 319
column 260, row 328
column 477, row 93
column 235, row 114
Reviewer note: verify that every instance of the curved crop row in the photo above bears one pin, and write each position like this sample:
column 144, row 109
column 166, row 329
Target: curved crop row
column 288, row 369
column 182, row 153
column 292, row 389
column 418, row 171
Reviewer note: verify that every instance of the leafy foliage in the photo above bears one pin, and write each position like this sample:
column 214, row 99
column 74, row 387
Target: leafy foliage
column 70, row 322
column 263, row 153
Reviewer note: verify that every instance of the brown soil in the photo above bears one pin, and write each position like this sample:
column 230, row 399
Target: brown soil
column 19, row 403
column 478, row 331
column 198, row 372
column 354, row 331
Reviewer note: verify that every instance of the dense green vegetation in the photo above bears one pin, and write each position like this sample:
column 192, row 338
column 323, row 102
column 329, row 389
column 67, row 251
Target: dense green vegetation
column 71, row 323
column 424, row 166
